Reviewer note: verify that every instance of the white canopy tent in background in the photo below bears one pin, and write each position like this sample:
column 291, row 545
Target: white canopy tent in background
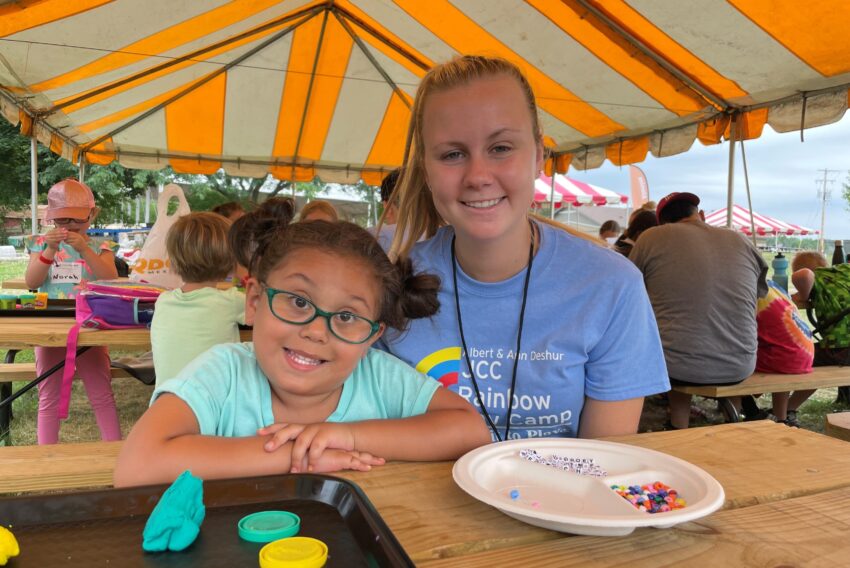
column 764, row 226
column 300, row 88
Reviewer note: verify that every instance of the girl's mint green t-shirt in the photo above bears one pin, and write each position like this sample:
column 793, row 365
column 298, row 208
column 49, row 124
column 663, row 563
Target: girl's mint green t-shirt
column 230, row 395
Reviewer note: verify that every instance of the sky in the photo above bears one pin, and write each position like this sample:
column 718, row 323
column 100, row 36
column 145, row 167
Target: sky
column 785, row 176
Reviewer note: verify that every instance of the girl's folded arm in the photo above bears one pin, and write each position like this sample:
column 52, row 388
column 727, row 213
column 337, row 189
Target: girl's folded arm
column 166, row 441
column 447, row 430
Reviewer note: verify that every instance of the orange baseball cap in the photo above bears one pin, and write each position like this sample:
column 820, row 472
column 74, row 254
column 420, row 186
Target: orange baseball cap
column 69, row 198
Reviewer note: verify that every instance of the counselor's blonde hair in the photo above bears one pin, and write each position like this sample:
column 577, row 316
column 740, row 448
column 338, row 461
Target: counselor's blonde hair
column 417, row 215
column 198, row 247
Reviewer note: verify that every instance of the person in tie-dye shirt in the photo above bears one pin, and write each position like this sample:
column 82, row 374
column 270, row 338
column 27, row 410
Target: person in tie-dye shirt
column 60, row 262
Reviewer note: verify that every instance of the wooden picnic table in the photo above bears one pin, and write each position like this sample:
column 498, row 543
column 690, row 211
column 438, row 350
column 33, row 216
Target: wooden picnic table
column 28, row 332
column 786, row 494
column 14, row 284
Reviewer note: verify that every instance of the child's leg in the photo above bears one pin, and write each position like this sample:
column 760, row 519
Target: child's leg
column 93, row 368
column 48, row 393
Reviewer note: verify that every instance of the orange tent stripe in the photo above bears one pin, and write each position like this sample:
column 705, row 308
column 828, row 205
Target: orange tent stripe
column 465, row 36
column 161, row 42
column 292, row 103
column 195, row 123
column 330, row 71
column 629, row 151
column 101, row 154
column 814, row 32
column 750, row 125
column 130, row 110
column 147, row 78
column 620, row 56
column 684, row 60
column 56, row 144
column 388, row 147
column 562, row 163
column 711, row 131
column 25, row 14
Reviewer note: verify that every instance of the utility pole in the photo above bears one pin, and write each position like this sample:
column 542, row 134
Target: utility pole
column 824, row 195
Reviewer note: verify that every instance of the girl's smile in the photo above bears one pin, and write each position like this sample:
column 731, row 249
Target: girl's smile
column 307, row 361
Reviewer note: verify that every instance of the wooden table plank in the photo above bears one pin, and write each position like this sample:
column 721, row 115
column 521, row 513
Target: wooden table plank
column 784, row 533
column 757, row 462
column 14, row 284
column 28, row 332
column 760, row 464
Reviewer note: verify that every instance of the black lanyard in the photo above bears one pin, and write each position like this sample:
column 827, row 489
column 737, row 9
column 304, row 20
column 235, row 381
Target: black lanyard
column 518, row 340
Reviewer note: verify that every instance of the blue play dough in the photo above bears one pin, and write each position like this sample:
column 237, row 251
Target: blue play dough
column 176, row 520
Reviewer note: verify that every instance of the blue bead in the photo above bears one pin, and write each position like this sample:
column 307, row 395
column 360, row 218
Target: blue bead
column 514, row 494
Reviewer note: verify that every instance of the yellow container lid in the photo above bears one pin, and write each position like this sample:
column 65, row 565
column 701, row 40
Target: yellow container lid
column 294, row 552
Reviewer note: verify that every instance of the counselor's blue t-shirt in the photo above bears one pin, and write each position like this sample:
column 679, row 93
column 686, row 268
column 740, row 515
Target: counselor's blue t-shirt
column 230, row 395
column 589, row 330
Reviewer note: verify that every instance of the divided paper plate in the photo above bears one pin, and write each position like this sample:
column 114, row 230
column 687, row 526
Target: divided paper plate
column 552, row 498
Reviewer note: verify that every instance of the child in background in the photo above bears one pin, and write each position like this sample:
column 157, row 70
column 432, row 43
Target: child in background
column 309, row 394
column 318, row 210
column 191, row 319
column 61, row 261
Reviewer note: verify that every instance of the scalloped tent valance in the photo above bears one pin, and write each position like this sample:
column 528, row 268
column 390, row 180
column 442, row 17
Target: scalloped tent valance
column 303, row 88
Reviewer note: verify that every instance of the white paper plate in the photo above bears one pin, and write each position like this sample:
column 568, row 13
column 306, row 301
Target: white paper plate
column 568, row 502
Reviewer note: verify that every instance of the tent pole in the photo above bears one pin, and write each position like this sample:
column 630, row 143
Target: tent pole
column 552, row 196
column 82, row 170
column 749, row 196
column 34, row 184
column 730, row 190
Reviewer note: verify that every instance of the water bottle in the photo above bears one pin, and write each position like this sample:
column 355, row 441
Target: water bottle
column 780, row 270
column 838, row 253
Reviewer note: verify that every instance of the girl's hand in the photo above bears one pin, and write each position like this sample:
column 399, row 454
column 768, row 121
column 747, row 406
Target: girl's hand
column 336, row 460
column 313, row 437
column 77, row 241
column 54, row 237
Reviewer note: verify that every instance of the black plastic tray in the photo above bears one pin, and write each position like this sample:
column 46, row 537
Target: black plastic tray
column 104, row 528
column 54, row 309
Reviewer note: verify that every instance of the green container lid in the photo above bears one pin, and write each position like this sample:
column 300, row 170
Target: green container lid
column 267, row 526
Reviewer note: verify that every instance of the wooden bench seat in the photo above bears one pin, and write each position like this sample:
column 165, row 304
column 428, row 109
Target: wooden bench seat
column 838, row 425
column 26, row 372
column 819, row 378
column 759, row 383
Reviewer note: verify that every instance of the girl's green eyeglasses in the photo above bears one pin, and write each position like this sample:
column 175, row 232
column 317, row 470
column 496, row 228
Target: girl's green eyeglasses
column 292, row 308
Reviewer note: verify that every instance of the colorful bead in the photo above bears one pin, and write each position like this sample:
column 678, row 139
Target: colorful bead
column 651, row 498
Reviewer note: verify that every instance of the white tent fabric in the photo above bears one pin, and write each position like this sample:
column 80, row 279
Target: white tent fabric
column 764, row 225
column 299, row 88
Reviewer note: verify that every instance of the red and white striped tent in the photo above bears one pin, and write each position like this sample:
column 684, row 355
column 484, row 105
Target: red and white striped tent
column 764, row 225
column 570, row 191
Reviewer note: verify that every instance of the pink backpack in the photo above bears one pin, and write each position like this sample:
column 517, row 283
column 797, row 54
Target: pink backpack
column 106, row 304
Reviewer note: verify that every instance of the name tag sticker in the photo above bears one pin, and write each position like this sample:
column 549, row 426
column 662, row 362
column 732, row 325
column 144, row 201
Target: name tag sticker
column 65, row 272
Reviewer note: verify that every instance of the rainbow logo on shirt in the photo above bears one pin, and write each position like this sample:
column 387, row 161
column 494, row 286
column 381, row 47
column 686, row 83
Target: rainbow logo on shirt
column 443, row 365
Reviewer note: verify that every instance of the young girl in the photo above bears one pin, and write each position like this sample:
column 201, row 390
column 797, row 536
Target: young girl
column 60, row 262
column 191, row 319
column 309, row 394
column 547, row 333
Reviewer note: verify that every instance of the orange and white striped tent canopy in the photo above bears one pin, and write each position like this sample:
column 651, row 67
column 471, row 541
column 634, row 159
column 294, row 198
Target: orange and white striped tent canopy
column 301, row 88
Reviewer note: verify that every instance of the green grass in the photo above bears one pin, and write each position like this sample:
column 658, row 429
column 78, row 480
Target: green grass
column 11, row 269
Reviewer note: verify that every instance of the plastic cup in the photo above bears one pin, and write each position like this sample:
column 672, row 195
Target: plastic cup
column 41, row 301
column 27, row 301
column 8, row 301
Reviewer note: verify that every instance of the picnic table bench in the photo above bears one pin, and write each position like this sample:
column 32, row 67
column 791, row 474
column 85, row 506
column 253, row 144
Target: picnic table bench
column 758, row 383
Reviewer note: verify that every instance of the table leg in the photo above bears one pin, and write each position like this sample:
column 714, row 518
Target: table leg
column 6, row 411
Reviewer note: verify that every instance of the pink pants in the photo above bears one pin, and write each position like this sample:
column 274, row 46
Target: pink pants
column 93, row 368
